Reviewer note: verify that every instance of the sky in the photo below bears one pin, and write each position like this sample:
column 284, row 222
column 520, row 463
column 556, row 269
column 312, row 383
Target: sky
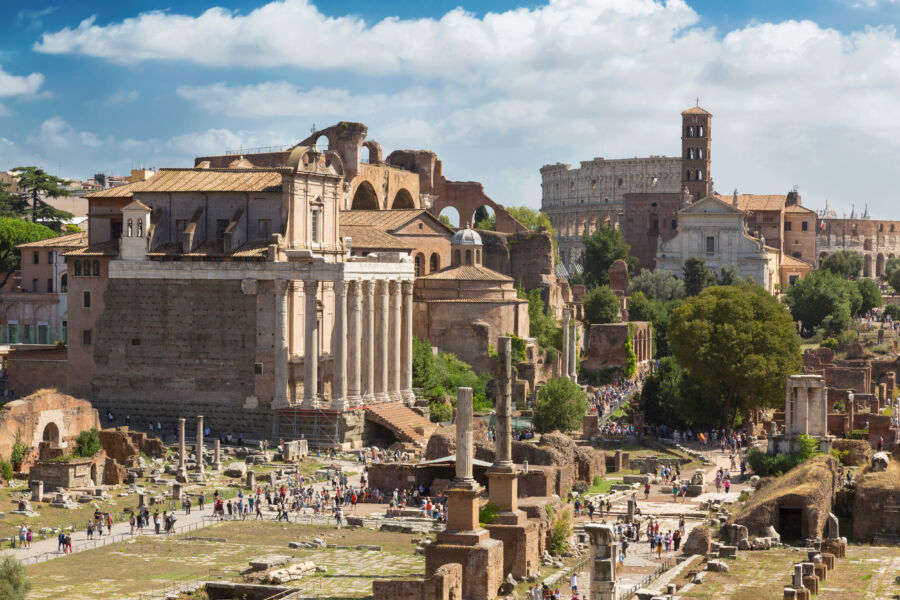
column 803, row 93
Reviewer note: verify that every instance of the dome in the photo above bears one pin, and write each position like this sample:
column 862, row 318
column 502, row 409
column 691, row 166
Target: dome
column 466, row 237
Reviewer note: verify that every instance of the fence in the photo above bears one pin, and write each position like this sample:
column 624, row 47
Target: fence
column 186, row 583
column 93, row 544
column 659, row 570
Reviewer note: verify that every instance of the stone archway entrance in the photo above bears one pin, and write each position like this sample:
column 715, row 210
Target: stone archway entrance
column 51, row 434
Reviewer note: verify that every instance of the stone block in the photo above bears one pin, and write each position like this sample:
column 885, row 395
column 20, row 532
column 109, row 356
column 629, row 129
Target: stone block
column 811, row 582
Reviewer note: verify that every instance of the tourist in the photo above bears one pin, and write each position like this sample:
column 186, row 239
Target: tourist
column 90, row 529
column 61, row 539
column 156, row 520
column 22, row 532
column 573, row 582
column 67, row 547
column 647, row 490
column 29, row 535
column 727, row 484
column 132, row 523
column 674, row 492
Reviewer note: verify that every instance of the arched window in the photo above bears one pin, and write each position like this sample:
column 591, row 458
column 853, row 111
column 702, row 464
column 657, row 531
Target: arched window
column 130, row 231
column 140, row 225
column 699, row 175
column 688, row 175
column 691, row 131
column 477, row 257
column 700, row 134
column 420, row 264
column 456, row 257
column 96, row 268
column 77, row 268
column 468, row 257
column 700, row 153
column 64, row 283
column 87, row 268
column 435, row 262
column 690, row 154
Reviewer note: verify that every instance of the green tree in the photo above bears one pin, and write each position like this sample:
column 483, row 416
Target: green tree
column 601, row 305
column 37, row 184
column 671, row 397
column 542, row 325
column 661, row 327
column 601, row 249
column 12, row 233
column 560, row 405
column 729, row 275
column 843, row 263
column 890, row 266
column 87, row 444
column 738, row 342
column 892, row 311
column 14, row 583
column 445, row 220
column 484, row 219
column 822, row 299
column 894, row 280
column 641, row 308
column 870, row 294
column 657, row 284
column 11, row 205
column 697, row 276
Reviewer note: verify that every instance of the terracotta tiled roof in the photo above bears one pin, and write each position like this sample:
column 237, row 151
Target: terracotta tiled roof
column 756, row 201
column 73, row 240
column 695, row 110
column 108, row 248
column 252, row 250
column 467, row 273
column 372, row 237
column 121, row 191
column 788, row 260
column 796, row 208
column 211, row 180
column 211, row 248
column 386, row 220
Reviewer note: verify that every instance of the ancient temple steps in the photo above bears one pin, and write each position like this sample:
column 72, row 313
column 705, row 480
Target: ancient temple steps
column 407, row 424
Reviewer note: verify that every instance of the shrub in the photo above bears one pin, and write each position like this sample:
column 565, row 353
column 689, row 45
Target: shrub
column 859, row 434
column 842, row 456
column 630, row 359
column 765, row 465
column 14, row 583
column 18, row 452
column 552, row 355
column 87, row 443
column 441, row 412
column 560, row 530
column 6, row 470
column 830, row 342
column 487, row 513
column 560, row 405
column 601, row 305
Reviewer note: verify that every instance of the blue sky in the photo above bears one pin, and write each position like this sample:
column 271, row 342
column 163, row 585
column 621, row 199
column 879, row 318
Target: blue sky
column 803, row 92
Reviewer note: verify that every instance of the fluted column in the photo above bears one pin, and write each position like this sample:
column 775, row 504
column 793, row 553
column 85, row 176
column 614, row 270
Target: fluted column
column 339, row 347
column 382, row 334
column 354, row 345
column 564, row 371
column 280, row 394
column 395, row 345
column 369, row 347
column 573, row 351
column 407, row 343
column 311, row 345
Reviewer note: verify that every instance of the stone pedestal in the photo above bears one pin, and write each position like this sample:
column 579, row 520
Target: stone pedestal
column 176, row 491
column 37, row 490
column 142, row 499
column 604, row 556
column 251, row 480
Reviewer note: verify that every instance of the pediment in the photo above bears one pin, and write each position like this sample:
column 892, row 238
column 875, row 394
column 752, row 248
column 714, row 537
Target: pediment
column 710, row 205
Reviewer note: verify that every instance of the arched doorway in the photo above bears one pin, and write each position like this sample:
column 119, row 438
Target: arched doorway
column 51, row 433
column 365, row 197
column 403, row 199
column 867, row 266
column 94, row 474
column 879, row 265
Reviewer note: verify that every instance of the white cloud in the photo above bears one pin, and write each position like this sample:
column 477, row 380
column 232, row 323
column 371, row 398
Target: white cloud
column 15, row 85
column 33, row 18
column 123, row 97
column 498, row 96
column 56, row 134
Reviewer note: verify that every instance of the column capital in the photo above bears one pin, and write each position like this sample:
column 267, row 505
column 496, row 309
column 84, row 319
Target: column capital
column 407, row 286
column 340, row 287
column 368, row 286
column 394, row 287
column 310, row 286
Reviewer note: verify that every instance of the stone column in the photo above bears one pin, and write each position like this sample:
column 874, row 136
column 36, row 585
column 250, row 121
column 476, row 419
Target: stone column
column 251, row 480
column 396, row 328
column 573, row 351
column 382, row 334
column 354, row 345
column 176, row 491
column 464, row 438
column 311, row 343
column 217, row 455
column 200, row 444
column 37, row 490
column 790, row 405
column 503, row 455
column 280, row 394
column 181, row 475
column 564, row 372
column 407, row 344
column 368, row 371
column 801, row 425
column 339, row 347
column 604, row 556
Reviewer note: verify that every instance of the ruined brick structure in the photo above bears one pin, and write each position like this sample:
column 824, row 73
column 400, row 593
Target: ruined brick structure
column 876, row 241
column 605, row 346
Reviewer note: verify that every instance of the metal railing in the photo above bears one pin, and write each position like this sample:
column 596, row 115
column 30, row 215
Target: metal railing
column 664, row 566
column 186, row 583
column 259, row 150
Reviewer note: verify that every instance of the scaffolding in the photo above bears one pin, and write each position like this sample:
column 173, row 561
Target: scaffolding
column 319, row 427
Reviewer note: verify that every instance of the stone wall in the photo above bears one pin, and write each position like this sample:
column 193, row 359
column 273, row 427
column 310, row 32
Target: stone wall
column 444, row 584
column 34, row 369
column 163, row 350
column 647, row 217
column 125, row 446
column 75, row 473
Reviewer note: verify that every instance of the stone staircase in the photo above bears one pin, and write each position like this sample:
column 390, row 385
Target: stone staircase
column 407, row 424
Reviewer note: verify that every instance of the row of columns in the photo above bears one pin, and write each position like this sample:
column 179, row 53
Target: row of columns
column 578, row 225
column 372, row 348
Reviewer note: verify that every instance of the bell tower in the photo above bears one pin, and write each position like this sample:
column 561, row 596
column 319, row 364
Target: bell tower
column 695, row 145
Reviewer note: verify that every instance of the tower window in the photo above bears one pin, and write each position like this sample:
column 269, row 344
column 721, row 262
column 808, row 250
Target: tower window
column 674, row 224
column 688, row 176
column 690, row 154
column 699, row 175
column 130, row 229
column 86, row 299
column 140, row 227
column 803, row 225
column 700, row 134
column 700, row 153
column 86, row 337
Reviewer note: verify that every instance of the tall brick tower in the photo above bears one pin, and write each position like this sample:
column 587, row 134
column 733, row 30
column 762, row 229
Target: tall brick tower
column 695, row 145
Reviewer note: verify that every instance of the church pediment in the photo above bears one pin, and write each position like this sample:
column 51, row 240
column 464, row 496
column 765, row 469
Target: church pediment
column 710, row 205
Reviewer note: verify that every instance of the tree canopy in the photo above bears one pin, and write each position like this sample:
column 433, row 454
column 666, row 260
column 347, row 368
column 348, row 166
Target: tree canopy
column 601, row 249
column 657, row 284
column 14, row 582
column 823, row 299
column 484, row 219
column 12, row 233
column 560, row 405
column 671, row 397
column 601, row 305
column 534, row 219
column 871, row 295
column 37, row 183
column 843, row 263
column 697, row 276
column 542, row 325
column 440, row 376
column 739, row 343
column 11, row 205
column 890, row 266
